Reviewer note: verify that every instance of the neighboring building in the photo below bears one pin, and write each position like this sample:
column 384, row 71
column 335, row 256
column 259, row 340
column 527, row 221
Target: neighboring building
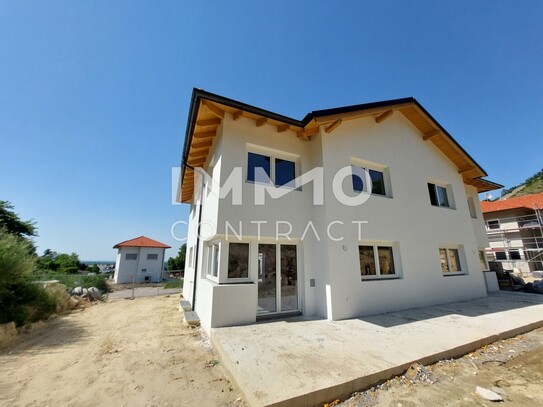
column 139, row 260
column 515, row 232
column 421, row 245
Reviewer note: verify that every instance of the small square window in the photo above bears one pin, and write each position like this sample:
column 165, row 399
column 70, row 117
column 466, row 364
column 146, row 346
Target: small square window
column 258, row 161
column 152, row 256
column 514, row 254
column 238, row 260
column 377, row 180
column 438, row 195
column 285, row 172
column 131, row 256
column 450, row 261
column 493, row 224
column 501, row 256
column 376, row 261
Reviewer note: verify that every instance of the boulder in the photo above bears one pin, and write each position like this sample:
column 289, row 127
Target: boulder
column 77, row 291
column 94, row 294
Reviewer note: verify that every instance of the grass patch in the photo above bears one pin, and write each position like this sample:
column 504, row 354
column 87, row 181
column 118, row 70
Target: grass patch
column 173, row 284
column 72, row 281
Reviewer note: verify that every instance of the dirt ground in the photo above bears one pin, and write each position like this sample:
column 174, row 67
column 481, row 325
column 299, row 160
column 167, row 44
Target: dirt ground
column 512, row 368
column 129, row 352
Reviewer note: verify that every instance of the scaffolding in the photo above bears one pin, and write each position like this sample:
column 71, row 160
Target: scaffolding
column 517, row 242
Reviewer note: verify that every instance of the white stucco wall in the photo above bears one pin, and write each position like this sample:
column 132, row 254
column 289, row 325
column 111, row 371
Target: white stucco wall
column 128, row 271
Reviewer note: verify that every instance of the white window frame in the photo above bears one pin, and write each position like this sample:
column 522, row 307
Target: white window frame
column 471, row 207
column 191, row 256
column 485, row 260
column 247, row 279
column 213, row 260
column 152, row 254
column 368, row 165
column 461, row 262
column 273, row 155
column 378, row 275
column 448, row 191
column 131, row 254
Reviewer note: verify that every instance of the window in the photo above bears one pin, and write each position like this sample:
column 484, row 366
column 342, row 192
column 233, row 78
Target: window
column 514, row 254
column 376, row 261
column 144, row 270
column 438, row 195
column 493, row 224
column 191, row 260
column 152, row 256
column 131, row 256
column 501, row 256
column 213, row 260
column 283, row 174
column 450, row 261
column 238, row 260
column 257, row 161
column 377, row 181
column 471, row 206
column 482, row 260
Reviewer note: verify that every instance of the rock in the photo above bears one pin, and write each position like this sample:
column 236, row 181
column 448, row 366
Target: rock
column 95, row 294
column 488, row 394
column 77, row 291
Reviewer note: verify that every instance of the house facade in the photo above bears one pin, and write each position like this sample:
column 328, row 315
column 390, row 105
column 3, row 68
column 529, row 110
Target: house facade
column 139, row 260
column 389, row 220
column 515, row 232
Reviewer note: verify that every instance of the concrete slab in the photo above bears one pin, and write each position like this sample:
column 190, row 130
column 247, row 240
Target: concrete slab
column 191, row 318
column 306, row 362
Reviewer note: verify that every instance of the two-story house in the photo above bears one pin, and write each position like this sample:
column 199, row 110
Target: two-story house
column 515, row 233
column 350, row 211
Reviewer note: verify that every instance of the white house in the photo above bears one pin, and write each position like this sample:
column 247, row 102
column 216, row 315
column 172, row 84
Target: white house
column 317, row 250
column 139, row 260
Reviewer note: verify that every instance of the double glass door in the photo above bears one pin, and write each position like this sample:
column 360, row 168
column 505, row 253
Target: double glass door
column 277, row 278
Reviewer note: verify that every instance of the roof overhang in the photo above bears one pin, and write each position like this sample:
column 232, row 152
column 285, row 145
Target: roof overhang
column 208, row 110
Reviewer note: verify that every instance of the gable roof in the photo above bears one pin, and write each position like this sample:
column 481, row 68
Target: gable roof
column 207, row 110
column 534, row 201
column 141, row 241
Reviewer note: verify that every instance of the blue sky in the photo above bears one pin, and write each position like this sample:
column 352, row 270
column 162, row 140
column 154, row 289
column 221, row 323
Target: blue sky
column 94, row 94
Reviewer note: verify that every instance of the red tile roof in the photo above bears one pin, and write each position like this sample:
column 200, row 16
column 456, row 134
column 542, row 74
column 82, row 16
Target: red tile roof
column 534, row 201
column 141, row 241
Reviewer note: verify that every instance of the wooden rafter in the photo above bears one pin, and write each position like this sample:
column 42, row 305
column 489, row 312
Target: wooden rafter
column 202, row 144
column 209, row 122
column 201, row 153
column 261, row 122
column 431, row 134
column 465, row 170
column 358, row 114
column 213, row 109
column 237, row 115
column 331, row 127
column 205, row 134
column 283, row 127
column 383, row 116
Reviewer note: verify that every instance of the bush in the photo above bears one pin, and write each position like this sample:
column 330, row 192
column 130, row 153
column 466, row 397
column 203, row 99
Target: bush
column 72, row 281
column 173, row 284
column 21, row 300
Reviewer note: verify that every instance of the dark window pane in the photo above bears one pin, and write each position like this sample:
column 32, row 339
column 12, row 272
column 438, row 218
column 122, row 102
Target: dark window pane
column 367, row 261
column 238, row 260
column 257, row 161
column 514, row 255
column 493, row 224
column 443, row 258
column 378, row 182
column 432, row 192
column 386, row 261
column 267, row 282
column 442, row 196
column 454, row 261
column 358, row 182
column 289, row 278
column 501, row 256
column 284, row 172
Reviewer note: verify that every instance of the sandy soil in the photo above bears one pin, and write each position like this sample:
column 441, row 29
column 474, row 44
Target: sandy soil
column 513, row 368
column 133, row 353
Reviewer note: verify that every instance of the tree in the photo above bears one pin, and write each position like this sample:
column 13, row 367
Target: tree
column 13, row 224
column 178, row 262
column 59, row 262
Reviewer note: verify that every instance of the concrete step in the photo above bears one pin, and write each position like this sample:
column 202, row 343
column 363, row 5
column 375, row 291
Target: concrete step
column 191, row 318
column 185, row 306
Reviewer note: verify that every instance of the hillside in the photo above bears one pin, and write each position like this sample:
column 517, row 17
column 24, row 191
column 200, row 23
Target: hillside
column 532, row 185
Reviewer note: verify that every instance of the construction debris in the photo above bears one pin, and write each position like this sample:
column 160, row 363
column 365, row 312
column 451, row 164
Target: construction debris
column 488, row 394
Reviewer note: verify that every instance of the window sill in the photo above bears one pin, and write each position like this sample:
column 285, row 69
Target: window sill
column 460, row 273
column 443, row 207
column 270, row 184
column 379, row 278
column 212, row 278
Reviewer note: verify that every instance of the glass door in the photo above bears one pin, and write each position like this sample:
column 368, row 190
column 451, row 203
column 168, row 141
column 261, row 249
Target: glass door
column 277, row 278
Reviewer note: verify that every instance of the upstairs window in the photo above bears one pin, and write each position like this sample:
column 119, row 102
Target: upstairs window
column 493, row 224
column 131, row 256
column 438, row 195
column 281, row 172
column 152, row 256
column 377, row 181
column 471, row 206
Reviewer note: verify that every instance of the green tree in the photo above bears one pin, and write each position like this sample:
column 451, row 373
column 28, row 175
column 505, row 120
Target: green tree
column 12, row 223
column 53, row 262
column 178, row 262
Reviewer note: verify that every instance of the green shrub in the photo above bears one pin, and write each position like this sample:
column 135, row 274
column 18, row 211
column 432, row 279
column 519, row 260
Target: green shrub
column 173, row 284
column 72, row 281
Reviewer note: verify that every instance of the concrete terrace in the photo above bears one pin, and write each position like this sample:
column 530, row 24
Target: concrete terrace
column 306, row 362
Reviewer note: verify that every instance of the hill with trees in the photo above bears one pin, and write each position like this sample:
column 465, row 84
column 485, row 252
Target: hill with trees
column 532, row 185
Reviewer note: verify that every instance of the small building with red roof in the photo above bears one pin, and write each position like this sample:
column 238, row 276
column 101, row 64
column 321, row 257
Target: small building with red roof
column 139, row 260
column 515, row 232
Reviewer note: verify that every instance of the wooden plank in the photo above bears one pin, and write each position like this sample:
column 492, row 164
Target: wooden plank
column 213, row 109
column 201, row 153
column 282, row 128
column 202, row 144
column 360, row 113
column 209, row 122
column 237, row 115
column 431, row 134
column 303, row 135
column 205, row 134
column 383, row 116
column 330, row 128
column 261, row 122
